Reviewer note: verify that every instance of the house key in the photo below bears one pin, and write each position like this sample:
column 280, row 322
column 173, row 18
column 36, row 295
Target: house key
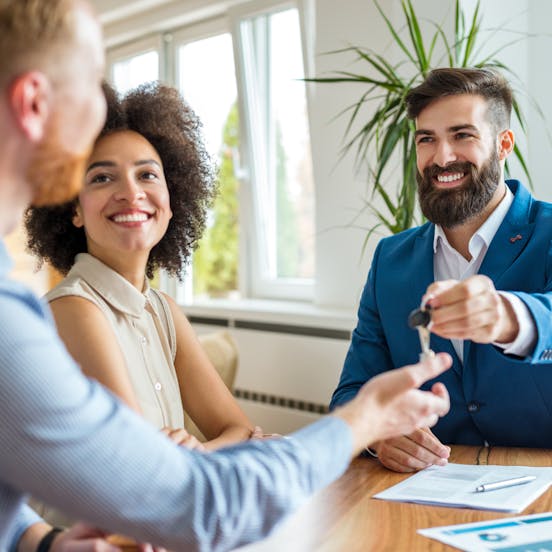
column 419, row 319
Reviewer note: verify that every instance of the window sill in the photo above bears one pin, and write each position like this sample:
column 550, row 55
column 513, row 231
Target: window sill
column 292, row 313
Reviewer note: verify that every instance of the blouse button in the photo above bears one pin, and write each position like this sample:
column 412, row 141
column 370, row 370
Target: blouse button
column 158, row 386
column 143, row 340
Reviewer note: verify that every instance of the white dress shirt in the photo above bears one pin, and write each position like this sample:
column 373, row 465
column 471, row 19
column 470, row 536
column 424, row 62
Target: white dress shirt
column 450, row 264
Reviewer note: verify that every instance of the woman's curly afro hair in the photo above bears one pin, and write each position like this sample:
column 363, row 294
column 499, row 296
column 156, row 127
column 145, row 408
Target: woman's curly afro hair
column 158, row 113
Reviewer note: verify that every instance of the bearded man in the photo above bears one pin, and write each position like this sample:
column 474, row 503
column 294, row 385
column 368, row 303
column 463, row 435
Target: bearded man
column 483, row 264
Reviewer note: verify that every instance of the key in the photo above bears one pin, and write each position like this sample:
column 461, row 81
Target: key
column 419, row 319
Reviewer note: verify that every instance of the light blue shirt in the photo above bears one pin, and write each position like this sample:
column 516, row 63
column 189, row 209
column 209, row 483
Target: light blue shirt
column 69, row 442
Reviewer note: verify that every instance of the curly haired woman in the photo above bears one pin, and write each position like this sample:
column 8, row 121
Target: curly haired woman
column 147, row 186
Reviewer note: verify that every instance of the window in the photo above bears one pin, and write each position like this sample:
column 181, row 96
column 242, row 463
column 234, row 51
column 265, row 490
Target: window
column 242, row 74
column 130, row 72
column 213, row 95
column 134, row 64
column 279, row 153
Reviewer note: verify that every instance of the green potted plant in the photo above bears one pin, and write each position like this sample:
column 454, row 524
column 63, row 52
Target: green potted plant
column 388, row 132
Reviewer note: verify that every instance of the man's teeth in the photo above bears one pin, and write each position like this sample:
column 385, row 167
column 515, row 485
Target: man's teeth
column 136, row 217
column 450, row 177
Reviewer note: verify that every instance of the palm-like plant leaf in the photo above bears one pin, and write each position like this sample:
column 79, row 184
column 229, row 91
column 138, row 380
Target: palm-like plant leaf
column 388, row 132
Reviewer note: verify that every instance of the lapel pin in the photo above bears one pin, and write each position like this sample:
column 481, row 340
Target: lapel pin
column 514, row 239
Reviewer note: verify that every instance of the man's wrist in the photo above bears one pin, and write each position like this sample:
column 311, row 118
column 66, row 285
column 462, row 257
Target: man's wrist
column 46, row 541
column 511, row 326
column 361, row 431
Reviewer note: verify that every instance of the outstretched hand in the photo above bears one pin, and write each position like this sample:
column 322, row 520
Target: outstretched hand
column 391, row 404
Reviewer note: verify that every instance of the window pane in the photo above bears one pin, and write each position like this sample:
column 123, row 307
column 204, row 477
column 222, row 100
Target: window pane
column 131, row 72
column 279, row 130
column 207, row 82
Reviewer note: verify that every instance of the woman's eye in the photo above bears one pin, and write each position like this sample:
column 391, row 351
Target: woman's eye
column 100, row 179
column 148, row 175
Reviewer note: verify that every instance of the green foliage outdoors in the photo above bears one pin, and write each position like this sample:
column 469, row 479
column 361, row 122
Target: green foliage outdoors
column 288, row 250
column 388, row 132
column 215, row 262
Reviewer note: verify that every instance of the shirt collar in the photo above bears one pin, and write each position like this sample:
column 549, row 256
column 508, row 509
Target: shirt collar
column 115, row 289
column 488, row 229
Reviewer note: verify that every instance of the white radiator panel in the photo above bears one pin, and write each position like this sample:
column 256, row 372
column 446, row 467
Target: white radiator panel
column 275, row 419
column 284, row 366
column 294, row 366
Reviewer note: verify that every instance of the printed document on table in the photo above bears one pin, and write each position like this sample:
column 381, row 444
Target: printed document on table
column 517, row 534
column 454, row 485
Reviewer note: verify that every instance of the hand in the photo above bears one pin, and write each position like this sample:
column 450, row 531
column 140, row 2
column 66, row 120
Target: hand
column 471, row 309
column 409, row 453
column 182, row 438
column 390, row 404
column 258, row 434
column 82, row 538
column 129, row 545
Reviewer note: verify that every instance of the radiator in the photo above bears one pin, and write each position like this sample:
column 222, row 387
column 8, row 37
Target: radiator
column 286, row 373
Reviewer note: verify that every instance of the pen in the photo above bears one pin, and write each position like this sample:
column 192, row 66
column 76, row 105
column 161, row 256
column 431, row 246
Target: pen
column 506, row 483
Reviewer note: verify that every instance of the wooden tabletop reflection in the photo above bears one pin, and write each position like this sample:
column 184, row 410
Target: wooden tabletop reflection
column 344, row 517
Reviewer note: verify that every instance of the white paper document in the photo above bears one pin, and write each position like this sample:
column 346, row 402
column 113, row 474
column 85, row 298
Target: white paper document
column 518, row 534
column 454, row 485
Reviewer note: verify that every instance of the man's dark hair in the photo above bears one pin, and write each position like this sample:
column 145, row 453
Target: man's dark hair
column 160, row 115
column 449, row 81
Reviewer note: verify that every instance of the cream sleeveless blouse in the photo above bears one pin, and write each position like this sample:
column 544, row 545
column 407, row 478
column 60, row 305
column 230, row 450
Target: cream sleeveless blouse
column 144, row 328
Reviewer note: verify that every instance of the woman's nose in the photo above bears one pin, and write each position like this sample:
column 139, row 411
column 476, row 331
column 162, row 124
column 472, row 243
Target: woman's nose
column 129, row 190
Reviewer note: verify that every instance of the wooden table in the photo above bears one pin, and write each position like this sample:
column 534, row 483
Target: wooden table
column 344, row 518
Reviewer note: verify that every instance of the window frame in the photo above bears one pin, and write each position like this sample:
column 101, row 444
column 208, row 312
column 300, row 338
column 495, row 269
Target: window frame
column 135, row 48
column 252, row 283
column 260, row 286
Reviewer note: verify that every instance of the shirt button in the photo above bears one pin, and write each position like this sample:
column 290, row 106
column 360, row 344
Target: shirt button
column 158, row 386
column 143, row 340
column 473, row 406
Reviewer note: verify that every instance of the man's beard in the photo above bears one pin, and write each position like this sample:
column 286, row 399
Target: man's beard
column 55, row 175
column 454, row 206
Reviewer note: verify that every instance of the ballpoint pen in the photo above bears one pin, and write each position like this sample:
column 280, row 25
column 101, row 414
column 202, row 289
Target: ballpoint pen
column 505, row 483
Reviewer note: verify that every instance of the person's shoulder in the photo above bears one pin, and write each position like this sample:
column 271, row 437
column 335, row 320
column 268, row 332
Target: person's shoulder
column 14, row 296
column 523, row 197
column 23, row 316
column 407, row 238
column 74, row 290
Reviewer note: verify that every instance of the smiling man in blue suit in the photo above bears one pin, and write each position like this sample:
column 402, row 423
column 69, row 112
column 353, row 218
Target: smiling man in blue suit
column 484, row 265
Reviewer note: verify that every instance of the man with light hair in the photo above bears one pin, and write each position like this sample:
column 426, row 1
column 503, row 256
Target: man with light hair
column 67, row 441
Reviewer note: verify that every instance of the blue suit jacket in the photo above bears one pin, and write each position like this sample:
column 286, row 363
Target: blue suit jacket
column 498, row 398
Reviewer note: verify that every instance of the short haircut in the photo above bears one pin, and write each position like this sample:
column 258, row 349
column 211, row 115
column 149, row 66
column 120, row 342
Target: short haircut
column 31, row 34
column 448, row 81
column 160, row 115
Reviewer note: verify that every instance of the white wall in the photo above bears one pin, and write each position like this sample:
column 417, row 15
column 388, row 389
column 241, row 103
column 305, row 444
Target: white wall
column 340, row 189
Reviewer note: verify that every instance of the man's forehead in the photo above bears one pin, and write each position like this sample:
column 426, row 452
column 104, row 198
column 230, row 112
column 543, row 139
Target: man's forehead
column 453, row 112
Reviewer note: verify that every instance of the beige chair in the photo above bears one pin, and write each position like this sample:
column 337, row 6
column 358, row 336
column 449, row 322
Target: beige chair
column 223, row 354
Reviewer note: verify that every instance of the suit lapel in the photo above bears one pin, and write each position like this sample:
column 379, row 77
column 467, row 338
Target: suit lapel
column 509, row 241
